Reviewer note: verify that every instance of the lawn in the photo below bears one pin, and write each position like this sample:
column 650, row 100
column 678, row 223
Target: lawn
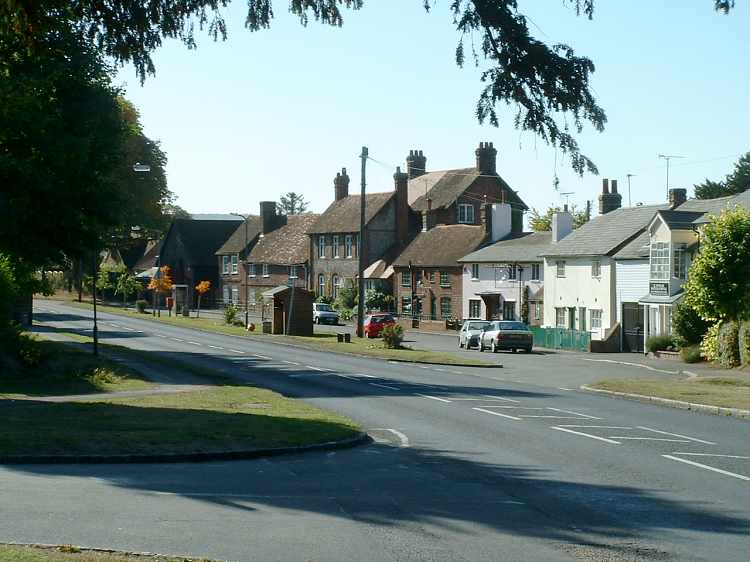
column 725, row 391
column 12, row 553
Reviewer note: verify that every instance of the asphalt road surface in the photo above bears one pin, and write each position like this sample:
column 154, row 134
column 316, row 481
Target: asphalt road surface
column 467, row 464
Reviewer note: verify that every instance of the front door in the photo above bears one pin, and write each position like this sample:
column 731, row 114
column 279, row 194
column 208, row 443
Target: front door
column 632, row 327
column 509, row 310
column 571, row 318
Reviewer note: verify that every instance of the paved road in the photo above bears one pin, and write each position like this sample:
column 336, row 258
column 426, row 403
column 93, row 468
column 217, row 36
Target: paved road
column 468, row 464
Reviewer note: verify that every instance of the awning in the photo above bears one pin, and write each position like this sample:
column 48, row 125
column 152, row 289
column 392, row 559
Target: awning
column 652, row 299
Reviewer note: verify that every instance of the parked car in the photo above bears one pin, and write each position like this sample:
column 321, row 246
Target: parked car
column 374, row 324
column 469, row 334
column 506, row 334
column 324, row 314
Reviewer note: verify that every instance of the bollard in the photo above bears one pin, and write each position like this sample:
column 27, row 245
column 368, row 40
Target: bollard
column 340, row 338
column 348, row 337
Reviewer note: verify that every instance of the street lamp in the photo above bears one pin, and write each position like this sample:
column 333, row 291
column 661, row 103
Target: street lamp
column 244, row 276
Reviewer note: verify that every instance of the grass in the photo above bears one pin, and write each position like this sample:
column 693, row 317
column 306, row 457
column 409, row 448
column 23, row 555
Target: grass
column 728, row 392
column 13, row 553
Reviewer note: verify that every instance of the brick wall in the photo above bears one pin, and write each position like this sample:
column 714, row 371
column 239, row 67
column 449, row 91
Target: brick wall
column 431, row 290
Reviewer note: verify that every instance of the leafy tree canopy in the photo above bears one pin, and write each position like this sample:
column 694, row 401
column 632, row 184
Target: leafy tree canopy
column 292, row 203
column 540, row 222
column 547, row 84
column 736, row 182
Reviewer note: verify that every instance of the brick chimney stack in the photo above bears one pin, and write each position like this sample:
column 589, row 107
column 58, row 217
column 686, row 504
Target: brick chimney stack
column 609, row 200
column 416, row 164
column 267, row 216
column 401, row 182
column 341, row 185
column 486, row 158
column 677, row 196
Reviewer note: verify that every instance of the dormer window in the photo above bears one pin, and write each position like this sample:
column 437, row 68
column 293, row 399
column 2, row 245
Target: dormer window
column 466, row 213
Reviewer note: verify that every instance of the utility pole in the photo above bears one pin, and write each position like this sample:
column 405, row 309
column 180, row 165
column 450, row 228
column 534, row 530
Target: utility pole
column 93, row 291
column 668, row 157
column 630, row 204
column 362, row 249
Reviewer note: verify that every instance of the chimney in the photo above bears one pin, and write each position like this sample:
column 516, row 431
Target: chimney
column 401, row 181
column 497, row 221
column 416, row 164
column 487, row 221
column 486, row 158
column 426, row 216
column 267, row 216
column 341, row 185
column 609, row 200
column 677, row 196
column 562, row 224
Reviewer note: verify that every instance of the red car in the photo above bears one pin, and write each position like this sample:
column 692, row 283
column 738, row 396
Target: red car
column 374, row 324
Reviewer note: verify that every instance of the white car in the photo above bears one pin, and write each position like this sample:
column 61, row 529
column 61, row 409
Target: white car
column 506, row 334
column 324, row 314
column 469, row 334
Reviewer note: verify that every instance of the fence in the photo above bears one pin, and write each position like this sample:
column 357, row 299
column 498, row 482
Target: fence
column 559, row 338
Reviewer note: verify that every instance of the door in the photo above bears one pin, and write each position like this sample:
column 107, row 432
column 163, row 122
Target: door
column 571, row 318
column 509, row 310
column 632, row 327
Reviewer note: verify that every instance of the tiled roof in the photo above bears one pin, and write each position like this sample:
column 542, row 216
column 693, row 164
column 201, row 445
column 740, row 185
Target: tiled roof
column 525, row 246
column 636, row 249
column 343, row 215
column 679, row 219
column 288, row 244
column 441, row 246
column 444, row 187
column 715, row 206
column 606, row 234
column 215, row 217
column 148, row 259
column 236, row 242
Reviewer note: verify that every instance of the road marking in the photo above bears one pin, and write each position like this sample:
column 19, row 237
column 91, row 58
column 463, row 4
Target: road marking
column 677, row 435
column 483, row 400
column 384, row 386
column 434, row 398
column 586, row 435
column 502, row 398
column 195, row 343
column 366, row 376
column 456, row 372
column 287, row 362
column 635, row 365
column 551, row 417
column 599, row 426
column 497, row 414
column 572, row 412
column 177, row 339
column 347, row 377
column 263, row 357
column 317, row 369
column 706, row 467
column 215, row 347
column 561, row 388
column 712, row 455
column 160, row 336
column 650, row 439
column 437, row 369
column 513, row 407
column 401, row 437
column 237, row 351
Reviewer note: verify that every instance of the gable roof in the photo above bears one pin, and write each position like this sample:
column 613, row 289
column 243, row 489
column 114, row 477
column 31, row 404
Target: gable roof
column 201, row 238
column 444, row 187
column 343, row 215
column 606, row 234
column 679, row 219
column 441, row 246
column 149, row 257
column 288, row 244
column 636, row 249
column 235, row 243
column 715, row 206
column 521, row 247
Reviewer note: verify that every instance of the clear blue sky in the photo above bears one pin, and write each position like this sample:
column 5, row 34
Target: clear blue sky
column 283, row 109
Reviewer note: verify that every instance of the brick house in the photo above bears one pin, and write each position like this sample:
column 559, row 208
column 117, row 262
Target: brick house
column 230, row 258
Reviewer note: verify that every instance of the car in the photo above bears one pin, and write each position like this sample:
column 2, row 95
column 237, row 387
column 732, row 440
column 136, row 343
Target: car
column 324, row 314
column 374, row 324
column 506, row 334
column 469, row 334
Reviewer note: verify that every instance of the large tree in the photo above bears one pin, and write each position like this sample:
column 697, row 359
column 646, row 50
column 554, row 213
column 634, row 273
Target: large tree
column 736, row 182
column 540, row 222
column 547, row 84
column 292, row 203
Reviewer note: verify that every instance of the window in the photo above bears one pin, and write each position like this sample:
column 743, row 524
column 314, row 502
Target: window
column 235, row 262
column 596, row 268
column 475, row 309
column 321, row 246
column 335, row 246
column 537, row 310
column 226, row 293
column 349, row 245
column 251, row 270
column 445, row 280
column 321, row 285
column 405, row 305
column 679, row 261
column 235, row 295
column 560, row 268
column 225, row 264
column 596, row 319
column 561, row 317
column 535, row 272
column 446, row 307
column 405, row 279
column 432, row 276
column 265, row 270
column 337, row 285
column 292, row 272
column 660, row 261
column 466, row 213
column 475, row 271
column 509, row 310
column 582, row 318
column 512, row 272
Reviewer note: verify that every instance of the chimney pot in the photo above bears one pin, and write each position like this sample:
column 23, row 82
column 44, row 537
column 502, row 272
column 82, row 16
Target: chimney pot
column 605, row 185
column 416, row 164
column 486, row 158
column 609, row 201
column 341, row 185
column 614, row 186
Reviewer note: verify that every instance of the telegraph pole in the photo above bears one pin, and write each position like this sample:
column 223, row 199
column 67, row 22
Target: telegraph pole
column 362, row 248
column 93, row 291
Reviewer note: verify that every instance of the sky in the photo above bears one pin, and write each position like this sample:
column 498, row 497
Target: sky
column 284, row 109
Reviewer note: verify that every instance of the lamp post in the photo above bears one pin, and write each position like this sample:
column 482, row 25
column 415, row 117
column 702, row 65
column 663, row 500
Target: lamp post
column 244, row 276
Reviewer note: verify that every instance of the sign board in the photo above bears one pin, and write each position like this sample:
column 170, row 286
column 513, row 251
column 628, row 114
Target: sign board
column 659, row 289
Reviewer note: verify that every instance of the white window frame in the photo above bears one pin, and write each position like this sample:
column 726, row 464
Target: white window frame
column 292, row 272
column 321, row 284
column 660, row 263
column 335, row 244
column 475, row 272
column 405, row 279
column 465, row 213
column 535, row 269
column 322, row 246
column 251, row 270
column 596, row 268
column 596, row 318
column 538, row 310
column 475, row 305
column 349, row 246
column 227, row 294
column 265, row 270
column 443, row 301
column 445, row 279
column 679, row 261
column 235, row 295
column 225, row 263
column 338, row 284
column 561, row 317
column 235, row 263
column 560, row 265
column 512, row 272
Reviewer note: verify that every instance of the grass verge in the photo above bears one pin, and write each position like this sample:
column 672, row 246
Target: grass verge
column 727, row 392
column 64, row 553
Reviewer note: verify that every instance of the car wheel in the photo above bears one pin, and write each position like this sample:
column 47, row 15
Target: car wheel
column 513, row 350
column 527, row 350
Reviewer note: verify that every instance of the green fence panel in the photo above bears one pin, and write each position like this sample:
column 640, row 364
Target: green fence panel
column 559, row 338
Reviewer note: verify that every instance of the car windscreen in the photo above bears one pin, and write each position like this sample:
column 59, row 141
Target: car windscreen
column 381, row 319
column 513, row 326
column 476, row 325
column 324, row 307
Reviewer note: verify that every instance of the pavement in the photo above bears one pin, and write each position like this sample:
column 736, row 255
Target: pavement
column 467, row 464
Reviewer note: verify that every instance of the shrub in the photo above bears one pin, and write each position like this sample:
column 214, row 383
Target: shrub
column 140, row 305
column 728, row 345
column 659, row 343
column 324, row 299
column 689, row 328
column 691, row 354
column 710, row 343
column 744, row 341
column 230, row 314
column 346, row 313
column 393, row 336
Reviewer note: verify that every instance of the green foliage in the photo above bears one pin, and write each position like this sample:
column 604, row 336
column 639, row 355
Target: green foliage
column 525, row 305
column 292, row 203
column 659, row 343
column 324, row 299
column 230, row 314
column 688, row 326
column 347, row 297
column 541, row 222
column 736, row 182
column 346, row 313
column 141, row 305
column 127, row 285
column 377, row 300
column 718, row 285
column 728, row 345
column 393, row 336
column 691, row 354
column 8, row 289
column 744, row 342
column 710, row 343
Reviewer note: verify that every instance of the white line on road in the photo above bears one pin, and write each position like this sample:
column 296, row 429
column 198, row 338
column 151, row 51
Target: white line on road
column 289, row 362
column 434, row 398
column 384, row 386
column 263, row 357
column 502, row 398
column 437, row 369
column 317, row 369
column 497, row 414
column 566, row 430
column 177, row 339
column 195, row 343
column 215, row 347
column 347, row 377
column 401, row 437
column 599, row 426
column 160, row 336
column 513, row 407
column 677, row 435
column 237, row 351
column 649, row 439
column 572, row 412
column 706, row 467
column 712, row 455
column 366, row 376
column 561, row 388
column 551, row 417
